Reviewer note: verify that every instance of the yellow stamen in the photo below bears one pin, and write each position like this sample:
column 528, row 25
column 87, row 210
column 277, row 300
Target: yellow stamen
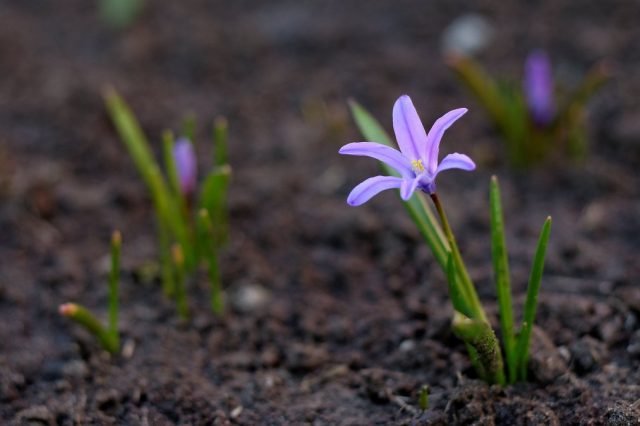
column 417, row 165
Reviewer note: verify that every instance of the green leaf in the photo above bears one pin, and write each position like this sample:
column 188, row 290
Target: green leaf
column 114, row 280
column 502, row 277
column 85, row 318
column 169, row 162
column 213, row 198
column 220, row 141
column 210, row 252
column 181, row 290
column 591, row 83
column 136, row 143
column 531, row 303
column 482, row 86
column 120, row 13
column 189, row 127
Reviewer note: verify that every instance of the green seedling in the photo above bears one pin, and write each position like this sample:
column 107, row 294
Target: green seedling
column 108, row 335
column 536, row 118
column 180, row 199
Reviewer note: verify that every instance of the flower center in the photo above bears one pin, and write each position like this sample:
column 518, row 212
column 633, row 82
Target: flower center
column 417, row 166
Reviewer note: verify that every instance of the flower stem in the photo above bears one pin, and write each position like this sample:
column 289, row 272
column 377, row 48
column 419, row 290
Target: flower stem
column 463, row 282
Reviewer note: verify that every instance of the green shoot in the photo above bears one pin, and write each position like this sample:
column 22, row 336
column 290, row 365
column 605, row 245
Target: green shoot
column 533, row 133
column 423, row 397
column 108, row 336
column 181, row 291
column 177, row 199
column 531, row 303
column 502, row 278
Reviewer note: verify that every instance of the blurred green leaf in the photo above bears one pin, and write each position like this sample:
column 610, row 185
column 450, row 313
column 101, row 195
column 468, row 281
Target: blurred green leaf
column 120, row 14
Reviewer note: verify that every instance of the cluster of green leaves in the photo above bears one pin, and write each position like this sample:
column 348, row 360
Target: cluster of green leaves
column 470, row 322
column 529, row 143
column 189, row 233
column 108, row 335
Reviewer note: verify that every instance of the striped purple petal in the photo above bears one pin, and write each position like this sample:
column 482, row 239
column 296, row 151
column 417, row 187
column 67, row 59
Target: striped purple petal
column 380, row 152
column 186, row 165
column 432, row 147
column 371, row 187
column 538, row 87
column 408, row 128
column 456, row 161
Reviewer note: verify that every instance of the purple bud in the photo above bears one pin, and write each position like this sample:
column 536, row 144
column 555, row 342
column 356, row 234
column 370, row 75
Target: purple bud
column 538, row 87
column 186, row 165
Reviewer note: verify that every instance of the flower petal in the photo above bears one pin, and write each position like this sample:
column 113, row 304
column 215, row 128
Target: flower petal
column 380, row 152
column 408, row 187
column 435, row 135
column 456, row 161
column 538, row 87
column 370, row 187
column 186, row 165
column 408, row 128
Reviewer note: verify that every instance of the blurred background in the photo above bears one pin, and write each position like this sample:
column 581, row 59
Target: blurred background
column 282, row 72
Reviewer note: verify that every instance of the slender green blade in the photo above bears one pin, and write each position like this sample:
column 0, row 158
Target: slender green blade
column 213, row 199
column 592, row 82
column 114, row 280
column 417, row 206
column 136, row 143
column 85, row 318
column 531, row 303
column 166, row 262
column 169, row 161
column 483, row 87
column 210, row 252
column 189, row 127
column 181, row 290
column 220, row 141
column 502, row 278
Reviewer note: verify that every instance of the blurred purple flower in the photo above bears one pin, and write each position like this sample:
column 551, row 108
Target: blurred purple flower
column 538, row 87
column 417, row 160
column 186, row 165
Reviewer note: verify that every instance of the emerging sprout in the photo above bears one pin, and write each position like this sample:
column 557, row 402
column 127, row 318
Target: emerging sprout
column 179, row 200
column 538, row 88
column 108, row 336
column 186, row 166
column 536, row 117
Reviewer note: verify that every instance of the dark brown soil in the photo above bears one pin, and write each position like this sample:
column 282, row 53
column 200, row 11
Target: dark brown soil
column 337, row 315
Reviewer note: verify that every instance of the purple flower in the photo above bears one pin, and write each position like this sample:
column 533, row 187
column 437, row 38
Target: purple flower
column 186, row 165
column 538, row 87
column 417, row 160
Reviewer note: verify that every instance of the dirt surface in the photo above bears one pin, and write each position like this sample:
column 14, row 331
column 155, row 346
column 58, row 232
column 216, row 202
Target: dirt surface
column 337, row 315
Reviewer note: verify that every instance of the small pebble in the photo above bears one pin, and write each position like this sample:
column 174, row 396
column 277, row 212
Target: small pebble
column 407, row 345
column 467, row 35
column 37, row 414
column 249, row 298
